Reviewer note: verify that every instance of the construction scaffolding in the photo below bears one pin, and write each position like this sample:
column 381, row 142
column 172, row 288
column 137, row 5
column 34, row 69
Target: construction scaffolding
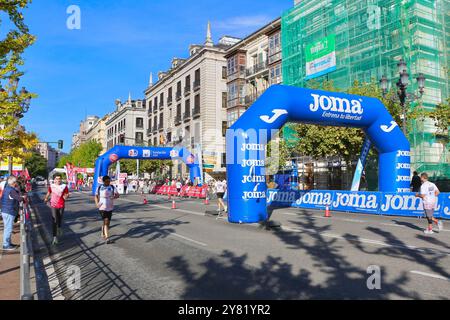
column 369, row 38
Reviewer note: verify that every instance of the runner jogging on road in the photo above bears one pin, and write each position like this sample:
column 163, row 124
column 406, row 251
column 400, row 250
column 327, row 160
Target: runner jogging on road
column 221, row 188
column 104, row 200
column 58, row 194
column 429, row 193
column 178, row 184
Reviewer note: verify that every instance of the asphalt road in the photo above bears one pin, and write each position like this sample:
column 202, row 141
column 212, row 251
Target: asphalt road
column 160, row 253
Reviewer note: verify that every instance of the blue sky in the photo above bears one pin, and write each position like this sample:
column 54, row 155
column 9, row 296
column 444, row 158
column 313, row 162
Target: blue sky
column 79, row 72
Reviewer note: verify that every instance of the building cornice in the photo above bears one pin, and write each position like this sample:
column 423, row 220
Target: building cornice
column 172, row 72
column 265, row 30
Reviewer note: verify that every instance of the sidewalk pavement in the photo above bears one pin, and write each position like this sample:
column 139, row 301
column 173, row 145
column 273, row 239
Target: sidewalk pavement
column 10, row 267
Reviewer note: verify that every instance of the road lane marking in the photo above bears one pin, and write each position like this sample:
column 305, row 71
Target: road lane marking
column 393, row 225
column 188, row 239
column 430, row 275
column 363, row 240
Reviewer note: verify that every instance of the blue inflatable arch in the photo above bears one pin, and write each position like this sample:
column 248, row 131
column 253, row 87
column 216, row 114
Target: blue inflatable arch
column 144, row 153
column 248, row 137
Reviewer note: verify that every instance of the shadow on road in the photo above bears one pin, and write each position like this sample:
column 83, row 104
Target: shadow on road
column 230, row 277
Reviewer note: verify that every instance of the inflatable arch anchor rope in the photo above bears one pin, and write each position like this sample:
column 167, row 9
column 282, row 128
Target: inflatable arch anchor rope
column 113, row 155
column 248, row 137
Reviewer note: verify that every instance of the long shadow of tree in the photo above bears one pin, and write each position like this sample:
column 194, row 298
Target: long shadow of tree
column 430, row 258
column 230, row 277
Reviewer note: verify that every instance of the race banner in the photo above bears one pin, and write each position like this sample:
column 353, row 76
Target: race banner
column 380, row 203
column 320, row 57
column 361, row 164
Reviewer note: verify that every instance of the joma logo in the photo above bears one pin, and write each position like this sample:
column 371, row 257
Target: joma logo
column 336, row 104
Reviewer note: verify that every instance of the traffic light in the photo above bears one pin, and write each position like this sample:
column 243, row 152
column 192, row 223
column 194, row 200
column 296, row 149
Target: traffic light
column 60, row 144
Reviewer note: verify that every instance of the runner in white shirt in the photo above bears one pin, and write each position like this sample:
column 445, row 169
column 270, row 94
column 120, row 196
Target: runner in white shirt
column 221, row 188
column 429, row 194
column 178, row 184
column 104, row 200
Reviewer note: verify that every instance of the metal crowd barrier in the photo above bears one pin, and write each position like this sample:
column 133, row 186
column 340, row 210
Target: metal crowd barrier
column 26, row 252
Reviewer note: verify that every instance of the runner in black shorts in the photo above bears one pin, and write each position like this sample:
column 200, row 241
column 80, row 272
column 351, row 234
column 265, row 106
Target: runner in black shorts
column 104, row 200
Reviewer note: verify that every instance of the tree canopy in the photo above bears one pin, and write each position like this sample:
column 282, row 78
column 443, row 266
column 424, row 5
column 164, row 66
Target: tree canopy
column 84, row 156
column 36, row 165
column 14, row 140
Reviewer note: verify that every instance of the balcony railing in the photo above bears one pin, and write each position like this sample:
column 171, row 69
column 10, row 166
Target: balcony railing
column 196, row 111
column 178, row 95
column 187, row 91
column 187, row 116
column 250, row 99
column 239, row 101
column 196, row 85
column 256, row 68
column 239, row 73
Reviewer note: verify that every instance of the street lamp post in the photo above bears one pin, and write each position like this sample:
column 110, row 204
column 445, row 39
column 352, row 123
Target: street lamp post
column 402, row 85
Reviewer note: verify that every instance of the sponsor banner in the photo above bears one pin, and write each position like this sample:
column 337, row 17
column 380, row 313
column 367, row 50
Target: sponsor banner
column 320, row 57
column 281, row 198
column 17, row 165
column 314, row 199
column 186, row 191
column 444, row 199
column 382, row 203
column 362, row 202
column 402, row 204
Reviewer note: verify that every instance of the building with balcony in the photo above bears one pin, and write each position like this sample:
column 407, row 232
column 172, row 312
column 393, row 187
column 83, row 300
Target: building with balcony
column 49, row 153
column 127, row 125
column 253, row 64
column 187, row 104
column 79, row 137
column 98, row 132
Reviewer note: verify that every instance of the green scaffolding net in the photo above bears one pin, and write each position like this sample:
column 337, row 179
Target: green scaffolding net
column 369, row 38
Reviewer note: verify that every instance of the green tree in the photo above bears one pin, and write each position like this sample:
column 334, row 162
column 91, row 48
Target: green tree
column 84, row 156
column 36, row 165
column 147, row 166
column 320, row 141
column 441, row 117
column 14, row 140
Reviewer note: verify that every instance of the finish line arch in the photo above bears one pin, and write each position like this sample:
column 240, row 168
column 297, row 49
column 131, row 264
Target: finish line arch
column 248, row 136
column 113, row 155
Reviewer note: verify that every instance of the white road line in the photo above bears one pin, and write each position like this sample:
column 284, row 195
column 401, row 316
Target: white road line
column 393, row 225
column 55, row 287
column 188, row 239
column 430, row 275
column 363, row 240
column 353, row 220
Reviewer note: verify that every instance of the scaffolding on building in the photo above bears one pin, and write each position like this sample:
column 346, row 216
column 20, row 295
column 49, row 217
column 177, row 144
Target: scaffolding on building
column 370, row 38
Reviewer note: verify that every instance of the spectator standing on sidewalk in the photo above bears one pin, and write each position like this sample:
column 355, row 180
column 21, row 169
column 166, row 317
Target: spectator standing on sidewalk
column 10, row 208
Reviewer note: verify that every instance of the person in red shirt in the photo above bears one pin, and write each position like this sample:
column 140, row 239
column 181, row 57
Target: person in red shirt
column 57, row 194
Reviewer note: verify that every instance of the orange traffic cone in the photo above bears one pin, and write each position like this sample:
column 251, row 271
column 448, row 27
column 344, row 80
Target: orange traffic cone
column 206, row 200
column 174, row 206
column 327, row 212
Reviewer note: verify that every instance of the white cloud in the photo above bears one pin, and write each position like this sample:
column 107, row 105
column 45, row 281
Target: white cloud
column 242, row 25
